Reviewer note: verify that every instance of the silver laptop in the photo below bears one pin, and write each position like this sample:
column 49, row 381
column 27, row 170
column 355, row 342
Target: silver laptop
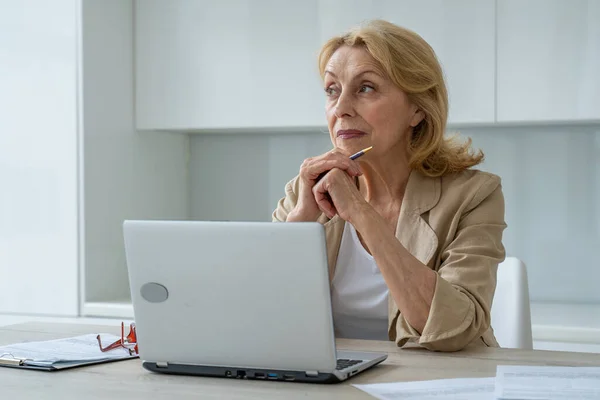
column 237, row 300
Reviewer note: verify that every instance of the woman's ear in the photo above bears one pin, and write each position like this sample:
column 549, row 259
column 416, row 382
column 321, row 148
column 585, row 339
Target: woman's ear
column 417, row 117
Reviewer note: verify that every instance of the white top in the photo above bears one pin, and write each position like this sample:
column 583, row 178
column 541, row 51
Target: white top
column 359, row 295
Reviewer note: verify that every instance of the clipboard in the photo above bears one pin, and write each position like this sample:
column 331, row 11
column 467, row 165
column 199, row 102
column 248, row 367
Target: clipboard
column 23, row 363
column 60, row 354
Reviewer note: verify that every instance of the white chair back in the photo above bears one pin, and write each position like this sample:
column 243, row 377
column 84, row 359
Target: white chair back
column 511, row 314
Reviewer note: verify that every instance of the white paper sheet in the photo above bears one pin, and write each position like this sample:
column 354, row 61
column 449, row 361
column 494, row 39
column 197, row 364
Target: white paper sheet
column 545, row 382
column 440, row 389
column 74, row 349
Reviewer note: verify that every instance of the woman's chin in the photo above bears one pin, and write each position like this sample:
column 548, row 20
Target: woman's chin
column 352, row 145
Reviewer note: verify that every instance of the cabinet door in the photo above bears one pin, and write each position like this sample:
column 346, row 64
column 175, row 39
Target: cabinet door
column 227, row 64
column 461, row 33
column 548, row 60
column 38, row 157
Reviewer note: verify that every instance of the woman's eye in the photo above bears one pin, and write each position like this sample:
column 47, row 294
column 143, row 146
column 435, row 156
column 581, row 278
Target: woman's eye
column 330, row 91
column 366, row 88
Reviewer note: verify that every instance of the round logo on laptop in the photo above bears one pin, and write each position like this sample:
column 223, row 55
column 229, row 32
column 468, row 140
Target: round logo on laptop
column 154, row 292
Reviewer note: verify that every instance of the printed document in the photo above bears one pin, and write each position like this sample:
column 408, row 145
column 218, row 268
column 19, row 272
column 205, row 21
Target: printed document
column 72, row 351
column 546, row 382
column 440, row 389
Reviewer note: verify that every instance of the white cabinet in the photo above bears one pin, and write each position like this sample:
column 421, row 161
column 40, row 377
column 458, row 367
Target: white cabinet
column 38, row 157
column 461, row 33
column 227, row 64
column 548, row 60
column 252, row 64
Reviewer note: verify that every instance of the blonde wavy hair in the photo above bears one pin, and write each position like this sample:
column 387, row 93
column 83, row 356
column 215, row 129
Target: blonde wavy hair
column 411, row 64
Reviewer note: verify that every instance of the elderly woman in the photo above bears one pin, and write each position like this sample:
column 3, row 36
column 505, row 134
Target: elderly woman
column 414, row 235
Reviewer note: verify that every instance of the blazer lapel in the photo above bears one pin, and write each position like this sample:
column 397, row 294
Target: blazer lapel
column 421, row 195
column 334, row 228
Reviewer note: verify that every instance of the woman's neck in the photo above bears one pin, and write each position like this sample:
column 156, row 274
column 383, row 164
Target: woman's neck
column 384, row 178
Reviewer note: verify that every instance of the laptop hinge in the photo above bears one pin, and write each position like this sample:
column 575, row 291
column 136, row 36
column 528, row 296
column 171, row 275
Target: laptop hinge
column 312, row 373
column 162, row 365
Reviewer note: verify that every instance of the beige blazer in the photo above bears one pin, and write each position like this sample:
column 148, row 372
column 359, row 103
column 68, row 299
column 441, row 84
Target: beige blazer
column 454, row 225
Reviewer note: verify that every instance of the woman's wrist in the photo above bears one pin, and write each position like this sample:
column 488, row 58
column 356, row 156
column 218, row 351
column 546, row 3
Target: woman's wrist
column 298, row 214
column 363, row 216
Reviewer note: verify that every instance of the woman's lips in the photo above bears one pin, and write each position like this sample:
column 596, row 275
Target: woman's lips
column 350, row 133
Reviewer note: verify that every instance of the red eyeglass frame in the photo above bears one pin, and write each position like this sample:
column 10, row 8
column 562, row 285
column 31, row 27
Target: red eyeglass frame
column 125, row 341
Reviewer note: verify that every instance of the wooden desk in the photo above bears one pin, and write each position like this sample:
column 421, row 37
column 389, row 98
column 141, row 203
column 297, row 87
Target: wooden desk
column 127, row 380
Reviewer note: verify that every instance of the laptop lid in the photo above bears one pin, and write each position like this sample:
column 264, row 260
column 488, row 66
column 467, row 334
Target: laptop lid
column 239, row 294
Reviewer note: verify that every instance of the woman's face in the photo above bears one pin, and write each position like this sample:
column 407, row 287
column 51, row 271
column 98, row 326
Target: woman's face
column 364, row 108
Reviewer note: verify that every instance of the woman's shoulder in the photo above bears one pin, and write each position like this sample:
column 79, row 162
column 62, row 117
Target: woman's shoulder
column 469, row 187
column 470, row 178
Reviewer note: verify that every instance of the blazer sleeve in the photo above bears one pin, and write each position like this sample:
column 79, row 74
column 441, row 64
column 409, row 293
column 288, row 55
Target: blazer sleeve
column 466, row 279
column 288, row 202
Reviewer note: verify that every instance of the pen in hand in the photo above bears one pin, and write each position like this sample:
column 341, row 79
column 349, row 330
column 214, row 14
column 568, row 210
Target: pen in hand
column 352, row 157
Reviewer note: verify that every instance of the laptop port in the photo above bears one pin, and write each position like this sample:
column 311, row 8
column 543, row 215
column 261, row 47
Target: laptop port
column 259, row 375
column 272, row 376
column 289, row 377
column 241, row 373
column 228, row 373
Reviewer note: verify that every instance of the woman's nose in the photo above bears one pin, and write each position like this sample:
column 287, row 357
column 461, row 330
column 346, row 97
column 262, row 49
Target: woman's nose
column 344, row 106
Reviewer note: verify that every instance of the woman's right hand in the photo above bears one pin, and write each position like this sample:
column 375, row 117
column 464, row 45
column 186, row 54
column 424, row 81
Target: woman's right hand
column 306, row 209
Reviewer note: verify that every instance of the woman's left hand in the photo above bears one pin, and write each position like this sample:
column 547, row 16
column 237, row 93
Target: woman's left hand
column 336, row 193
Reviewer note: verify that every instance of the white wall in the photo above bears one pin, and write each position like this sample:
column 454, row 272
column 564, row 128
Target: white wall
column 241, row 177
column 128, row 175
column 551, row 182
column 38, row 156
